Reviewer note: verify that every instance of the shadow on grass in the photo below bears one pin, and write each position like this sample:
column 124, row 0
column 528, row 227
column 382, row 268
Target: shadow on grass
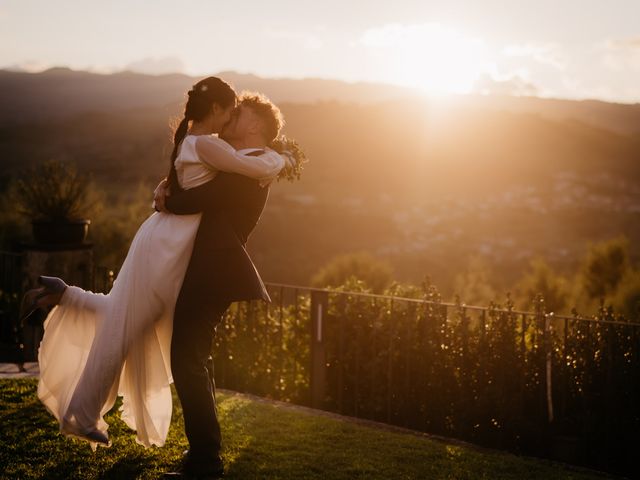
column 130, row 466
column 67, row 467
column 275, row 442
column 261, row 440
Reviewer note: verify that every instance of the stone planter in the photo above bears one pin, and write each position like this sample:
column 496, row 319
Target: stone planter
column 71, row 232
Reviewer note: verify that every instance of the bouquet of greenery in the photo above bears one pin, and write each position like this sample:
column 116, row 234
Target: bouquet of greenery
column 294, row 156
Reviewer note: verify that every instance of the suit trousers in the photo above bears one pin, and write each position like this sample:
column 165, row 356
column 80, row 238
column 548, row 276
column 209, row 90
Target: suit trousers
column 198, row 312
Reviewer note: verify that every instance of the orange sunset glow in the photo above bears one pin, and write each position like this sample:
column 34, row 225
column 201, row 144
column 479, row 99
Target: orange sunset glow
column 330, row 240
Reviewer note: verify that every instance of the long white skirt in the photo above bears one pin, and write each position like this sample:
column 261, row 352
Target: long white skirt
column 96, row 346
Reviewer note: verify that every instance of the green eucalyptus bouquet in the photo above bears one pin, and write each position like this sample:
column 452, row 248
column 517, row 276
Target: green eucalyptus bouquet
column 294, row 156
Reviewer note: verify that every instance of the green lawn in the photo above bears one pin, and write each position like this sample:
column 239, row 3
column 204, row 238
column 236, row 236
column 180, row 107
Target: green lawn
column 261, row 441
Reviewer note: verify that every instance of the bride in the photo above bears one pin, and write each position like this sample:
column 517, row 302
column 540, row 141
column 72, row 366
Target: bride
column 96, row 347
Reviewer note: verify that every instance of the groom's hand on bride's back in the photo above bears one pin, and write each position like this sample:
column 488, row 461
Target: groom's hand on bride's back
column 159, row 196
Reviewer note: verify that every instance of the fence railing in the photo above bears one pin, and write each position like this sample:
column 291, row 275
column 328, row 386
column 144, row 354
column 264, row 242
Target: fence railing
column 533, row 382
column 11, row 338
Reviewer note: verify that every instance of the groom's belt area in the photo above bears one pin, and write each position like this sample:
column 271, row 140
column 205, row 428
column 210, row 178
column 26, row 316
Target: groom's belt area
column 221, row 231
column 231, row 227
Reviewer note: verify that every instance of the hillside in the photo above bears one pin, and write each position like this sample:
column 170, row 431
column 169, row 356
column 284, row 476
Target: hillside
column 61, row 92
column 425, row 186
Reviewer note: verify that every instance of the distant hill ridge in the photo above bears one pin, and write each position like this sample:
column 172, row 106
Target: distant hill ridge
column 61, row 92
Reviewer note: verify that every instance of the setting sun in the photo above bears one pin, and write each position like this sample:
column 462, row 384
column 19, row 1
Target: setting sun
column 431, row 57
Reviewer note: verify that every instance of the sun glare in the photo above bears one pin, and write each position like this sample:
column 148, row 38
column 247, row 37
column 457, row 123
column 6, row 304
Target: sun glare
column 431, row 57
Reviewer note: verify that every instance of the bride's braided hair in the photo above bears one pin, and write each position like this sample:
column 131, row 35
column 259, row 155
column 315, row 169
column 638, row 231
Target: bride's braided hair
column 201, row 98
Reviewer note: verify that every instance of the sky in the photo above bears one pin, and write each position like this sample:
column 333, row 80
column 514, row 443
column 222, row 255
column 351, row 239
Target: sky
column 561, row 48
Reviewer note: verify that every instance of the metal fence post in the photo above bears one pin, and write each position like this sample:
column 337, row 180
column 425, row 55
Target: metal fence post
column 318, row 380
column 548, row 346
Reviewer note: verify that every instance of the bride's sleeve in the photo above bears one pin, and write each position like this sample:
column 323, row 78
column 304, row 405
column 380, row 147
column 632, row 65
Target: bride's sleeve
column 219, row 155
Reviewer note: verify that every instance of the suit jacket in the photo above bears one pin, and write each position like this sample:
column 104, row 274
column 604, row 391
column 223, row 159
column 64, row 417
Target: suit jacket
column 231, row 205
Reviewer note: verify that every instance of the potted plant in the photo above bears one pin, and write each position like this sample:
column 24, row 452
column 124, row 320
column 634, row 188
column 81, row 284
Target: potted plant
column 56, row 198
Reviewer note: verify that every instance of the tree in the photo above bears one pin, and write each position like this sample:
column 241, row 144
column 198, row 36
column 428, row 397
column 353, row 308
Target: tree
column 626, row 300
column 375, row 273
column 604, row 267
column 474, row 286
column 542, row 280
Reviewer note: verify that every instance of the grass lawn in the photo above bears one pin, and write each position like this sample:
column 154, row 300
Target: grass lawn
column 261, row 441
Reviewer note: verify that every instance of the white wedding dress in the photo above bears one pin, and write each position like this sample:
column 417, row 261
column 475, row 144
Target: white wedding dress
column 96, row 347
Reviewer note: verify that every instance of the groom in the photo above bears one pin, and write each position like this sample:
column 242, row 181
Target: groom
column 219, row 272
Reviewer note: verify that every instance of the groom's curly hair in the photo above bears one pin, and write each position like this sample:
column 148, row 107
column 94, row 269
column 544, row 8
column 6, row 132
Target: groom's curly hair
column 267, row 111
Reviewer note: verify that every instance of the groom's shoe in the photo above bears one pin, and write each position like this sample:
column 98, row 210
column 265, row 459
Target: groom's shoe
column 186, row 475
column 189, row 476
column 189, row 471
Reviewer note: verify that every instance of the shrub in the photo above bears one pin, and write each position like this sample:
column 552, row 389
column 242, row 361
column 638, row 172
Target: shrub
column 54, row 191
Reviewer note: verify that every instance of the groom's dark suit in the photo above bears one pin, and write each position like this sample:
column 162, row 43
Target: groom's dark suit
column 220, row 271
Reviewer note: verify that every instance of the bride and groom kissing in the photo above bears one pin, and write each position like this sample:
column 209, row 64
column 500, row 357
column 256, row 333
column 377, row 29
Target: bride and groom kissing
column 186, row 264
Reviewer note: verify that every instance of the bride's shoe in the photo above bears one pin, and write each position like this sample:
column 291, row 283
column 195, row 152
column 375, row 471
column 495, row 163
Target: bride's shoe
column 95, row 436
column 37, row 297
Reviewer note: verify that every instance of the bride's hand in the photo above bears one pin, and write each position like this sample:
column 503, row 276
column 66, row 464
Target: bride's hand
column 159, row 196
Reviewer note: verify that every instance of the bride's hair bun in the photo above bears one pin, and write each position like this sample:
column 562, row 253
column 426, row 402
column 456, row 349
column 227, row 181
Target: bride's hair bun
column 201, row 89
column 201, row 97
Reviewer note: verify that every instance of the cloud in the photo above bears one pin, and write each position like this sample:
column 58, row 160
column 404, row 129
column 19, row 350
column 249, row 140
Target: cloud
column 157, row 66
column 397, row 35
column 621, row 54
column 632, row 43
column 579, row 90
column 546, row 54
column 391, row 35
column 514, row 85
column 28, row 66
column 307, row 40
